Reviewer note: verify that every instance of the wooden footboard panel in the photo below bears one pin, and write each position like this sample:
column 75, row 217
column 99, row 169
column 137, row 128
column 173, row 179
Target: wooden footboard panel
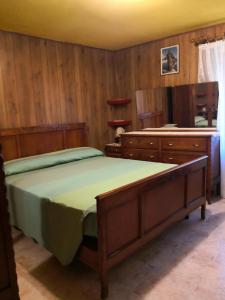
column 130, row 216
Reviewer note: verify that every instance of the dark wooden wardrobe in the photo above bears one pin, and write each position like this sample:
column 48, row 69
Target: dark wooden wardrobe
column 8, row 279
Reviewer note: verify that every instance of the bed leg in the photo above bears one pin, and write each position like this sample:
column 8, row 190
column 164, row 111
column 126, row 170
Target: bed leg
column 104, row 285
column 203, row 211
column 208, row 197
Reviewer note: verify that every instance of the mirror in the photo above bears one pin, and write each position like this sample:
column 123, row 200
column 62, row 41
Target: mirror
column 193, row 105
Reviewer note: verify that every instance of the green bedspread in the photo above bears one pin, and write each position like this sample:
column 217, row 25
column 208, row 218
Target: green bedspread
column 51, row 203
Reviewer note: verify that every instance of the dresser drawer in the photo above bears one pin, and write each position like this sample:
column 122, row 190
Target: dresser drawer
column 141, row 154
column 178, row 158
column 188, row 144
column 150, row 155
column 146, row 142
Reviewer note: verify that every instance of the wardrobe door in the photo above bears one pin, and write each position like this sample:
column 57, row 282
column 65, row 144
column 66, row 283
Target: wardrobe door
column 4, row 275
column 8, row 279
column 182, row 98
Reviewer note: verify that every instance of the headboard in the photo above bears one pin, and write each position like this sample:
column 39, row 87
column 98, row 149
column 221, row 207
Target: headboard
column 151, row 119
column 22, row 142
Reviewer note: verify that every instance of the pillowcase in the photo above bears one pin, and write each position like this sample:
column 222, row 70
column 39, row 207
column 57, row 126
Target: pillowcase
column 37, row 162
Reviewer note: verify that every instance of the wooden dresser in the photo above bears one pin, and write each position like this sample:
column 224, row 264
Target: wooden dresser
column 175, row 147
column 8, row 281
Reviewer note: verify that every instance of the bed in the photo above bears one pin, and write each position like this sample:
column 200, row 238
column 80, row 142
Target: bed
column 122, row 204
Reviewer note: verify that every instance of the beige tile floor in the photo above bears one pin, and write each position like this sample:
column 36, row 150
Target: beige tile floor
column 187, row 262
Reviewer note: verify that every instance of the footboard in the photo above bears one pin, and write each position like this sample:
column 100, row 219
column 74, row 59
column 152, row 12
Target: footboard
column 132, row 215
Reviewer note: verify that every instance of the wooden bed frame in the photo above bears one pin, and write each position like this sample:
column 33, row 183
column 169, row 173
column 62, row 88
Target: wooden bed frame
column 22, row 142
column 127, row 217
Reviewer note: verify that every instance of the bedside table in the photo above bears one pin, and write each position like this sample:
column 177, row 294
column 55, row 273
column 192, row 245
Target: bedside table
column 113, row 150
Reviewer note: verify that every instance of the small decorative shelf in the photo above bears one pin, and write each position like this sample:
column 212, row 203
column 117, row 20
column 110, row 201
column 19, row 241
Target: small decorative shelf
column 118, row 126
column 116, row 123
column 119, row 101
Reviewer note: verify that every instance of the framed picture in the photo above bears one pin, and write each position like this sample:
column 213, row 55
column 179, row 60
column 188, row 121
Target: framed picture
column 170, row 60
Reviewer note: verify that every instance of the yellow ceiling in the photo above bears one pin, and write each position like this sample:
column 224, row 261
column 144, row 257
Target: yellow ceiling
column 109, row 24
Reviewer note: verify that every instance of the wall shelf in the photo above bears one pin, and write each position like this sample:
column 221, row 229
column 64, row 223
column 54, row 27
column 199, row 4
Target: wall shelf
column 116, row 123
column 119, row 116
column 119, row 101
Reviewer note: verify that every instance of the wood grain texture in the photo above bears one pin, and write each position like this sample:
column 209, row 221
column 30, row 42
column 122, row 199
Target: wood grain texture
column 177, row 148
column 132, row 215
column 8, row 278
column 46, row 82
column 139, row 67
column 27, row 141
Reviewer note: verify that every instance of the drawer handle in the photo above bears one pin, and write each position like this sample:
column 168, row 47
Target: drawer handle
column 196, row 145
column 131, row 154
column 130, row 142
column 170, row 158
column 151, row 143
column 151, row 156
column 170, row 144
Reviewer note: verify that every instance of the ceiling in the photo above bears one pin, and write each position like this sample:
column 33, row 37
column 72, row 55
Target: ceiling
column 108, row 24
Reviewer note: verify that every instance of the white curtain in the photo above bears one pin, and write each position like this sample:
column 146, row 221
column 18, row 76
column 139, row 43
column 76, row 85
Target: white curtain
column 212, row 68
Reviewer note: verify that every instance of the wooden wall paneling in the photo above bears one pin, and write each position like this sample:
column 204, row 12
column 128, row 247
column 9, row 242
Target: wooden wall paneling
column 153, row 58
column 46, row 82
column 97, row 85
column 109, row 92
column 138, row 67
column 66, row 70
column 37, row 81
column 24, row 88
column 98, row 99
column 3, row 119
column 78, row 84
column 51, row 82
column 88, row 93
column 133, row 79
column 8, row 100
column 95, row 100
column 124, row 79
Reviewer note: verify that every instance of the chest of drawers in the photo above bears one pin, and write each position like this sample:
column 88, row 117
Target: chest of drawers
column 175, row 147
